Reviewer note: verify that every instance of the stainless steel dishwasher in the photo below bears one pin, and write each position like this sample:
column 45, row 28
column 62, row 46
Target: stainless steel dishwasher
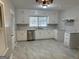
column 30, row 35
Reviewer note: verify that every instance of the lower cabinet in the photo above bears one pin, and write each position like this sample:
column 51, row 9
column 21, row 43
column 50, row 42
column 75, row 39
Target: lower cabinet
column 35, row 34
column 21, row 35
column 45, row 34
column 71, row 40
column 67, row 39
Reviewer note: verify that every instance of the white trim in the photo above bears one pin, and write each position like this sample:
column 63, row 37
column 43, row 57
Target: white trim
column 5, row 52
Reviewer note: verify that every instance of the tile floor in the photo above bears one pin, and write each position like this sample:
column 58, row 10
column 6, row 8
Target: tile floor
column 43, row 49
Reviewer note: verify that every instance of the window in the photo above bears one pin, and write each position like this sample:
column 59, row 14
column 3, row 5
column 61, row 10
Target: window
column 33, row 21
column 38, row 21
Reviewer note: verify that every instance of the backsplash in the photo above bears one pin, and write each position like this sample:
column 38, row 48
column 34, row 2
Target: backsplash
column 26, row 27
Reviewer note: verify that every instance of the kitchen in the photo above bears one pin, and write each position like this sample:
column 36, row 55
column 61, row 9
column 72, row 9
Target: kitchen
column 29, row 30
column 51, row 29
column 47, row 31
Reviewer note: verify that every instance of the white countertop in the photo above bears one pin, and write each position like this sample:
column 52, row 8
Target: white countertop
column 72, row 31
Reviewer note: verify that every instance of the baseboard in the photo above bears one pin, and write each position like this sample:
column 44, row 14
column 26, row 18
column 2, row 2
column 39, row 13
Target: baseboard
column 7, row 53
column 6, row 50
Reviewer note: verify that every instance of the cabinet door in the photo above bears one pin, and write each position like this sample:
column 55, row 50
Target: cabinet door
column 55, row 32
column 21, row 17
column 43, row 34
column 46, row 34
column 40, row 34
column 37, row 34
column 22, row 20
column 67, row 39
column 50, row 33
column 53, row 20
column 21, row 35
column 26, row 20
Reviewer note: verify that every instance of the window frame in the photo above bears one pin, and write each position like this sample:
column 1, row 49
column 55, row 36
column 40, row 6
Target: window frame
column 38, row 18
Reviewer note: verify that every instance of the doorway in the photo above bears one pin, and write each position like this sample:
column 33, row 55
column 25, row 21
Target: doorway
column 2, row 30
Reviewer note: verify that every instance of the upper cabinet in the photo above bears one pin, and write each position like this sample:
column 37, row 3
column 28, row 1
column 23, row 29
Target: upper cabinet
column 22, row 20
column 53, row 18
column 22, row 15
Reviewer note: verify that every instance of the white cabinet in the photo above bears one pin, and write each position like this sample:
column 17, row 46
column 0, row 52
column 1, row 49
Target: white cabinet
column 45, row 34
column 21, row 17
column 40, row 34
column 67, row 39
column 53, row 18
column 22, row 20
column 55, row 34
column 21, row 35
column 71, row 40
column 50, row 34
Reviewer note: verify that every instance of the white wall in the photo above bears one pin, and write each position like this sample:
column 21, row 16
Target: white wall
column 72, row 13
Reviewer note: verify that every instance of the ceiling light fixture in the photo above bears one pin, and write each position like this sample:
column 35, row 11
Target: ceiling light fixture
column 43, row 6
column 44, row 3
